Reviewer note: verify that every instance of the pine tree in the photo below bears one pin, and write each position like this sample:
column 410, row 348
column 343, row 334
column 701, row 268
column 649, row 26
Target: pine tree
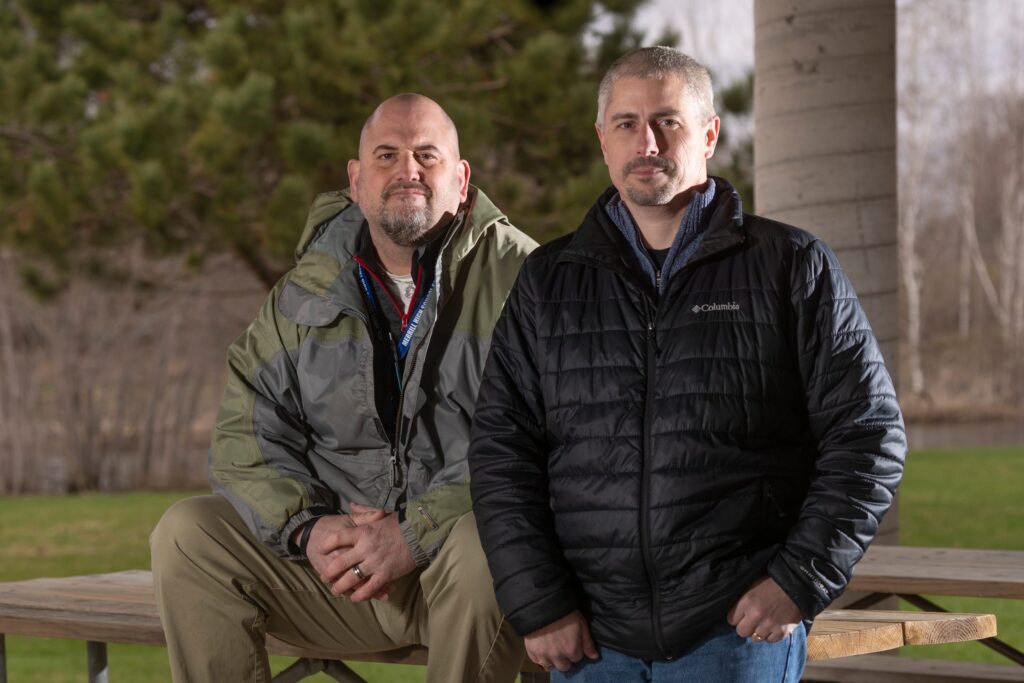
column 208, row 125
column 734, row 159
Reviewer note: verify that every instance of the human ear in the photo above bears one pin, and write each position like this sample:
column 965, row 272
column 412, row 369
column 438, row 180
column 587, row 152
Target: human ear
column 711, row 137
column 353, row 179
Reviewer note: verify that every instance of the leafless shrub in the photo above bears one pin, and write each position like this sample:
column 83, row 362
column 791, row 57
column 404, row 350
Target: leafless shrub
column 113, row 387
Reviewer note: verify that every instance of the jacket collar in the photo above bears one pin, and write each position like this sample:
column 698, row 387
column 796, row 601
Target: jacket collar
column 600, row 243
column 425, row 256
column 325, row 254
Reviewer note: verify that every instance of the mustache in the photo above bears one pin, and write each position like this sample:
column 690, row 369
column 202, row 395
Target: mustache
column 397, row 187
column 660, row 163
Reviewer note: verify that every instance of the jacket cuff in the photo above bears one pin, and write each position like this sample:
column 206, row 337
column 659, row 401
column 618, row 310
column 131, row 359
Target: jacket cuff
column 543, row 612
column 801, row 584
column 409, row 534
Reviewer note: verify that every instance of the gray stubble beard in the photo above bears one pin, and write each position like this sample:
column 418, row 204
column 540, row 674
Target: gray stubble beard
column 411, row 226
column 650, row 195
column 407, row 226
column 654, row 196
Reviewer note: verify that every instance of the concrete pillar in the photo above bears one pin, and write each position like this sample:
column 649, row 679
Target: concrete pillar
column 825, row 143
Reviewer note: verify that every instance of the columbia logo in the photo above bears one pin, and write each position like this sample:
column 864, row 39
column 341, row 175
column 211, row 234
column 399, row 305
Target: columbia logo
column 707, row 308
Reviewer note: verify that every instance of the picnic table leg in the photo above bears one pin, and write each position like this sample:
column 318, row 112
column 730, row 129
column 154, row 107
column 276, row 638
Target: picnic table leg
column 1003, row 648
column 3, row 660
column 527, row 677
column 868, row 601
column 96, row 657
column 305, row 667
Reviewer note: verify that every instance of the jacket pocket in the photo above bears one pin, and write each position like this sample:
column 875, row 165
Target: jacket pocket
column 773, row 508
column 429, row 518
column 777, row 515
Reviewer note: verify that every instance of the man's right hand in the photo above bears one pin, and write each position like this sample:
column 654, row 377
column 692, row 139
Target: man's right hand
column 561, row 644
column 325, row 540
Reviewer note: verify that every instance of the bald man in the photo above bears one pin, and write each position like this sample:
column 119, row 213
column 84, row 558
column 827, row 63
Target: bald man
column 342, row 521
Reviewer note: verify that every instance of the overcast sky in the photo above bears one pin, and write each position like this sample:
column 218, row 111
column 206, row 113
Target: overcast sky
column 721, row 34
column 718, row 34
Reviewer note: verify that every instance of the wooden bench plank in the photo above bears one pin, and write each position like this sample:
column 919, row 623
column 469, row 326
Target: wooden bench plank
column 927, row 628
column 121, row 608
column 889, row 669
column 108, row 628
column 829, row 640
column 941, row 571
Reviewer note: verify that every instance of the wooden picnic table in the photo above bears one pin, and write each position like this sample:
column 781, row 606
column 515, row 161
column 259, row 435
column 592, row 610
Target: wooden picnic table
column 895, row 569
column 121, row 608
column 911, row 573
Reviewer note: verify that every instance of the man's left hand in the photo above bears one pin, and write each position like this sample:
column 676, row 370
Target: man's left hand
column 764, row 612
column 380, row 552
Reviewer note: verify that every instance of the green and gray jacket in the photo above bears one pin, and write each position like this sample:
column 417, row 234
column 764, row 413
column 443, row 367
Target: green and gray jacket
column 298, row 434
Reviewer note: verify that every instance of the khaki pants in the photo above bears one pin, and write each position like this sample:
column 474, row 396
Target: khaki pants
column 220, row 590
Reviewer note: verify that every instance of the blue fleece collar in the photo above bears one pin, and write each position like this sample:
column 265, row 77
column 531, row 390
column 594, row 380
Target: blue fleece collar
column 687, row 239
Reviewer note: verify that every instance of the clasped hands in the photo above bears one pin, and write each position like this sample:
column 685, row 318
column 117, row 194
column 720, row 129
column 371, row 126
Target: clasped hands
column 369, row 538
column 764, row 612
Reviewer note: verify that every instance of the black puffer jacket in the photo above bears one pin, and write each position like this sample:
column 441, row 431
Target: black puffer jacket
column 645, row 461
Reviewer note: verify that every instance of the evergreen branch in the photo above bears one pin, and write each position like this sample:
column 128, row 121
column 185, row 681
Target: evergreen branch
column 33, row 138
column 480, row 86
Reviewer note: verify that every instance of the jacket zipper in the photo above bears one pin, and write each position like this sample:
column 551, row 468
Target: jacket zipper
column 425, row 513
column 396, row 467
column 394, row 472
column 645, row 485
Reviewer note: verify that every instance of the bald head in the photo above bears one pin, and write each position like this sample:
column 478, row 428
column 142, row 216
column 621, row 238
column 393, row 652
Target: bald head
column 408, row 179
column 407, row 107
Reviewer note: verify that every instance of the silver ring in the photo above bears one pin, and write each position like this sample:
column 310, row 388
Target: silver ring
column 359, row 572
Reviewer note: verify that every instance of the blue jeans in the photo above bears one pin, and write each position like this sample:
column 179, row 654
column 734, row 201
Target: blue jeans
column 720, row 657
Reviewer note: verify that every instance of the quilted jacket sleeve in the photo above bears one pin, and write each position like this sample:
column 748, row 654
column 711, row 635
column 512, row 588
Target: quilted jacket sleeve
column 508, row 474
column 856, row 428
column 257, row 456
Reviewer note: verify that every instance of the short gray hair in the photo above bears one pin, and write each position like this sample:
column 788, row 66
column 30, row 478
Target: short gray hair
column 658, row 62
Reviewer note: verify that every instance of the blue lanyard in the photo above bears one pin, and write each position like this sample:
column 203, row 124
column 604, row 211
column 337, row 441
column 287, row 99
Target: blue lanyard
column 402, row 345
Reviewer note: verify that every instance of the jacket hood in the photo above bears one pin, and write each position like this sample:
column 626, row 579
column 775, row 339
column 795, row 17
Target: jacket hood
column 330, row 238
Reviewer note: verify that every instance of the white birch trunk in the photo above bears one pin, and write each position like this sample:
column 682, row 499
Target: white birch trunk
column 911, row 273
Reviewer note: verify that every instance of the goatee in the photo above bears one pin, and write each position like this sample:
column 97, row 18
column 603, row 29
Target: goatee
column 649, row 194
column 406, row 225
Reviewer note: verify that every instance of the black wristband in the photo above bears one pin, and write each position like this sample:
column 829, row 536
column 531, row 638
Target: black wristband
column 307, row 529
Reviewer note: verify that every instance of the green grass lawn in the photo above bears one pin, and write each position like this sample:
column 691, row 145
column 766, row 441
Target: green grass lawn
column 94, row 533
column 966, row 499
column 961, row 498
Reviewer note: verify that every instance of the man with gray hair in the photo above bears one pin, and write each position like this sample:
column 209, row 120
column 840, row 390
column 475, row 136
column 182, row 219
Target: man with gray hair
column 686, row 436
